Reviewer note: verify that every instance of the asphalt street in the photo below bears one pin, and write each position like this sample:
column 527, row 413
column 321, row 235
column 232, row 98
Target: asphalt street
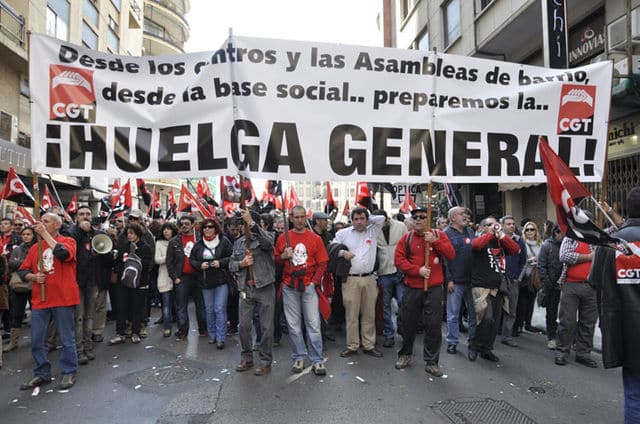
column 164, row 381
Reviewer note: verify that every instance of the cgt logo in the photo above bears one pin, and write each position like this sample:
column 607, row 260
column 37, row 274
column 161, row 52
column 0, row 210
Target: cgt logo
column 71, row 94
column 576, row 109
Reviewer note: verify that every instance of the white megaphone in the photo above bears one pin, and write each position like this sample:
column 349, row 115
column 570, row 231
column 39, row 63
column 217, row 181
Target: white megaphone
column 101, row 244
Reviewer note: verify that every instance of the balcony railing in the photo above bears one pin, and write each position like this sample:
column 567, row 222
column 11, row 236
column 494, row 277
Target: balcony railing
column 135, row 8
column 11, row 23
column 164, row 36
column 175, row 6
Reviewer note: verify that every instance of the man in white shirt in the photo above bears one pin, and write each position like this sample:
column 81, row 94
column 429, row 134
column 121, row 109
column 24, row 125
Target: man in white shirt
column 359, row 290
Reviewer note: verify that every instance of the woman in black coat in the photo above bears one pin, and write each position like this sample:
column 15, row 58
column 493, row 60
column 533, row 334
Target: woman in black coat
column 132, row 301
column 210, row 257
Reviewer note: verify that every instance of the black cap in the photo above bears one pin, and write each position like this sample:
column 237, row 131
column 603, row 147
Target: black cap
column 419, row 209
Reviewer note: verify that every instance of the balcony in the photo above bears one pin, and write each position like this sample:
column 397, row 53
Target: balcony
column 11, row 24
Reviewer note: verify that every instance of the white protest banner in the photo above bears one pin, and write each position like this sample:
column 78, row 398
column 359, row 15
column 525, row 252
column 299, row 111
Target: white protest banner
column 290, row 110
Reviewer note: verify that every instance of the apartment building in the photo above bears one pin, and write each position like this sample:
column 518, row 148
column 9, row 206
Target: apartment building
column 511, row 30
column 106, row 25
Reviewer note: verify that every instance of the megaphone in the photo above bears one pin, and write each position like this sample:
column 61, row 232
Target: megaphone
column 101, row 244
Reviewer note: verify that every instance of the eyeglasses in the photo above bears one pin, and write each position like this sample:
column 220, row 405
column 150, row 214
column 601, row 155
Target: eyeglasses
column 17, row 224
column 529, row 230
column 420, row 217
column 185, row 223
column 133, row 218
column 209, row 227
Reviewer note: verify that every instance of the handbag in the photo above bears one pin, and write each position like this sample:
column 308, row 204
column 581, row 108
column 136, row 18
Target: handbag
column 18, row 285
column 534, row 279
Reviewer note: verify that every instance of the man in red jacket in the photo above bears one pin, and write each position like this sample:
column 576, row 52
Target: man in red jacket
column 488, row 260
column 57, row 276
column 416, row 301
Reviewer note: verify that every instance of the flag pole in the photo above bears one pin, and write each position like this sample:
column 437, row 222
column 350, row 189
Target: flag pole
column 428, row 225
column 247, row 230
column 55, row 191
column 36, row 212
column 604, row 214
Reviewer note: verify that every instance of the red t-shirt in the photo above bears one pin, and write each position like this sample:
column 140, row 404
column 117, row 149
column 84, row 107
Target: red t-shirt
column 309, row 254
column 61, row 287
column 188, row 241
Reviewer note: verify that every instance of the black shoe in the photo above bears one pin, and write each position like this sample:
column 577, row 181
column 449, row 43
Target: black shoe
column 329, row 336
column 463, row 329
column 532, row 329
column 472, row 354
column 452, row 349
column 561, row 360
column 68, row 380
column 388, row 342
column 220, row 345
column 347, row 353
column 35, row 382
column 373, row 352
column 490, row 356
column 586, row 361
column 97, row 338
column 82, row 359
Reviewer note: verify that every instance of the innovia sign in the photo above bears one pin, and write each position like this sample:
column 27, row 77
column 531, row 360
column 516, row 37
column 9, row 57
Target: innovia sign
column 586, row 39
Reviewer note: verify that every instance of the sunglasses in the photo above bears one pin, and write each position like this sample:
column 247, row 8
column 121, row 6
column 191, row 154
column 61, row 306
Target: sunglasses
column 529, row 230
column 134, row 218
column 491, row 224
column 185, row 223
column 209, row 227
column 416, row 217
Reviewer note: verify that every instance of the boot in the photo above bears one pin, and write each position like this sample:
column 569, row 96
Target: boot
column 13, row 340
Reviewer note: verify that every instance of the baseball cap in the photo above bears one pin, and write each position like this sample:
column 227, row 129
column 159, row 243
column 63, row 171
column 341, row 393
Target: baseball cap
column 319, row 215
column 136, row 213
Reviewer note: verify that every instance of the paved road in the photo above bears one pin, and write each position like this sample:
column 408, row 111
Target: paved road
column 164, row 381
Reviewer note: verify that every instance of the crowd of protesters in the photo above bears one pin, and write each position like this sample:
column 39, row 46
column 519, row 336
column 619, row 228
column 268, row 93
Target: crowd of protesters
column 264, row 275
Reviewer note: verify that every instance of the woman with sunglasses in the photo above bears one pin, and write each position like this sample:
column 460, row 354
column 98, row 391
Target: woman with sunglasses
column 527, row 295
column 210, row 257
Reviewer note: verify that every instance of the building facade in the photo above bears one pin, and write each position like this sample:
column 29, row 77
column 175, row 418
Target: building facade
column 511, row 30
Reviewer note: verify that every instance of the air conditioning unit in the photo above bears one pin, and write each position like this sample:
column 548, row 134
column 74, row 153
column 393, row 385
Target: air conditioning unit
column 8, row 127
column 617, row 31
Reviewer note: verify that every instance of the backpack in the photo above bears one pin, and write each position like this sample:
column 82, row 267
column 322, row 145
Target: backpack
column 132, row 271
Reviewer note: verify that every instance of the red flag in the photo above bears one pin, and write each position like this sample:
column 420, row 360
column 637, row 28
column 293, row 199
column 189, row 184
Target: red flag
column 363, row 195
column 188, row 202
column 22, row 214
column 47, row 201
column 142, row 189
column 115, row 193
column 172, row 199
column 73, row 205
column 230, row 190
column 331, row 204
column 292, row 200
column 154, row 210
column 347, row 210
column 229, row 208
column 124, row 198
column 324, row 306
column 407, row 204
column 566, row 193
column 14, row 188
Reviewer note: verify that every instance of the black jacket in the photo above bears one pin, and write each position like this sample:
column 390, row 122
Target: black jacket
column 175, row 256
column 620, row 310
column 549, row 265
column 211, row 277
column 337, row 265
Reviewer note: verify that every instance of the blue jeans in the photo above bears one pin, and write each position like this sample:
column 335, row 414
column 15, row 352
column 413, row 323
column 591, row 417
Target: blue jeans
column 391, row 285
column 189, row 287
column 215, row 306
column 631, row 382
column 64, row 318
column 298, row 305
column 461, row 292
column 167, row 306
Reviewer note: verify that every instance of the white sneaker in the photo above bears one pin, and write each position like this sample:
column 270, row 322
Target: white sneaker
column 552, row 344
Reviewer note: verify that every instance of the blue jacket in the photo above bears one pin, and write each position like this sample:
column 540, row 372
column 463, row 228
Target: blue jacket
column 514, row 264
column 458, row 270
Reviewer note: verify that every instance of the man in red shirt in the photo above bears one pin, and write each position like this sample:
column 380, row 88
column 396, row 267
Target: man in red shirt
column 305, row 260
column 416, row 301
column 57, row 277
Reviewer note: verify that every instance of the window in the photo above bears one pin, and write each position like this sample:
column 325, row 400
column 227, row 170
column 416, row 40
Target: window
column 422, row 41
column 406, row 6
column 113, row 41
column 113, row 24
column 90, row 13
column 89, row 37
column 481, row 5
column 117, row 4
column 58, row 19
column 451, row 22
